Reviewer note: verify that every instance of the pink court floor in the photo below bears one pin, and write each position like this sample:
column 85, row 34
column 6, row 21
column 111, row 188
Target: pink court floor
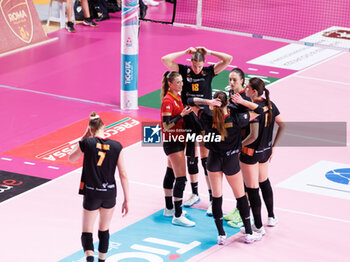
column 47, row 93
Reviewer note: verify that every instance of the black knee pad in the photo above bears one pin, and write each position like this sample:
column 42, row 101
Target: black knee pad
column 204, row 164
column 169, row 179
column 192, row 165
column 104, row 241
column 86, row 241
column 180, row 183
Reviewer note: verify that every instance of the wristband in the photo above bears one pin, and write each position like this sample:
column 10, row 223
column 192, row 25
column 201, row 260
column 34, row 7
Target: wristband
column 208, row 52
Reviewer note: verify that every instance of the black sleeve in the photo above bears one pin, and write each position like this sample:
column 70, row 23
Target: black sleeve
column 190, row 101
column 82, row 145
column 242, row 119
column 275, row 110
column 172, row 122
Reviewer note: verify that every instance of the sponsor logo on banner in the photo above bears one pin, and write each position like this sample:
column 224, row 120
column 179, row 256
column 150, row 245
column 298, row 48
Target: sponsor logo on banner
column 54, row 148
column 13, row 184
column 18, row 18
column 323, row 178
column 342, row 34
column 298, row 57
column 129, row 73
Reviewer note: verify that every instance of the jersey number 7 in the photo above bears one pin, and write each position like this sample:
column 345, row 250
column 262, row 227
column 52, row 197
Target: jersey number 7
column 102, row 157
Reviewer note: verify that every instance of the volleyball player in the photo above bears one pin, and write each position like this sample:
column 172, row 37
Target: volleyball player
column 257, row 151
column 223, row 155
column 101, row 157
column 236, row 81
column 173, row 129
column 197, row 83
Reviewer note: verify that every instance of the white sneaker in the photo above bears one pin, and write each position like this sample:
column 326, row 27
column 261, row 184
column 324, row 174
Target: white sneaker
column 183, row 221
column 271, row 222
column 150, row 2
column 210, row 209
column 222, row 240
column 192, row 200
column 250, row 238
column 260, row 231
column 169, row 212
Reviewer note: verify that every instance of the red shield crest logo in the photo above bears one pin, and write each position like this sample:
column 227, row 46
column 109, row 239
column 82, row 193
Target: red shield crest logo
column 339, row 33
column 18, row 18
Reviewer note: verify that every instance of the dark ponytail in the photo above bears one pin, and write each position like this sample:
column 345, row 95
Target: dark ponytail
column 269, row 105
column 259, row 85
column 218, row 114
column 167, row 77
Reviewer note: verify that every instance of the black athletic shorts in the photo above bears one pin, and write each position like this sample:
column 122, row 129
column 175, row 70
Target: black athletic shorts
column 261, row 157
column 95, row 203
column 173, row 147
column 229, row 165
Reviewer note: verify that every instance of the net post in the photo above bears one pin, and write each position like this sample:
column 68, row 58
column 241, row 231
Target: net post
column 199, row 13
column 129, row 54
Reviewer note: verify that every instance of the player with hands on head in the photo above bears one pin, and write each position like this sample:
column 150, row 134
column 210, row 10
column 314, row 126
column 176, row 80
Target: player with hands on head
column 197, row 83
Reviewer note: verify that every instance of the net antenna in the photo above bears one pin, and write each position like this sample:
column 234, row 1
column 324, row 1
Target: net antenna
column 129, row 54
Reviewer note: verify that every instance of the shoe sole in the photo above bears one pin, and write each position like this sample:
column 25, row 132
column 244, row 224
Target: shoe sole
column 193, row 203
column 182, row 225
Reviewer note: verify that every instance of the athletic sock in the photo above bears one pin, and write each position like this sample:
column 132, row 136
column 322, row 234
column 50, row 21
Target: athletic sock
column 169, row 202
column 178, row 208
column 267, row 194
column 90, row 259
column 255, row 204
column 243, row 207
column 210, row 195
column 194, row 187
column 217, row 214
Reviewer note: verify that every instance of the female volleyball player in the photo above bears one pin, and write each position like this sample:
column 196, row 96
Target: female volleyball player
column 223, row 155
column 236, row 81
column 173, row 130
column 197, row 83
column 101, row 157
column 257, row 151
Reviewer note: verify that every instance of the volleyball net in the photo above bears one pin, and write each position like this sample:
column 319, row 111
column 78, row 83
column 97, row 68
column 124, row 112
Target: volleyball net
column 319, row 23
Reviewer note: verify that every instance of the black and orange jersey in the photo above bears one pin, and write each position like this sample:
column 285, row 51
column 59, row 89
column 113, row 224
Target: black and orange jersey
column 264, row 140
column 100, row 161
column 196, row 85
column 238, row 108
column 172, row 104
column 231, row 143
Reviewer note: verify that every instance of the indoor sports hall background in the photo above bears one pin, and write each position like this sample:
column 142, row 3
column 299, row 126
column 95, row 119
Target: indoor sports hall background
column 47, row 93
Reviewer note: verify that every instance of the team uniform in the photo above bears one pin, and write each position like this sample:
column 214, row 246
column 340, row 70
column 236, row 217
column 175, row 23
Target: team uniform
column 223, row 155
column 260, row 150
column 172, row 104
column 195, row 86
column 97, row 181
column 238, row 108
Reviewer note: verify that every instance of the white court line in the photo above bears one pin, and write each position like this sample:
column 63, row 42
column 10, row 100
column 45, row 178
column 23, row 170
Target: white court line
column 7, row 159
column 29, row 163
column 58, row 96
column 323, row 80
